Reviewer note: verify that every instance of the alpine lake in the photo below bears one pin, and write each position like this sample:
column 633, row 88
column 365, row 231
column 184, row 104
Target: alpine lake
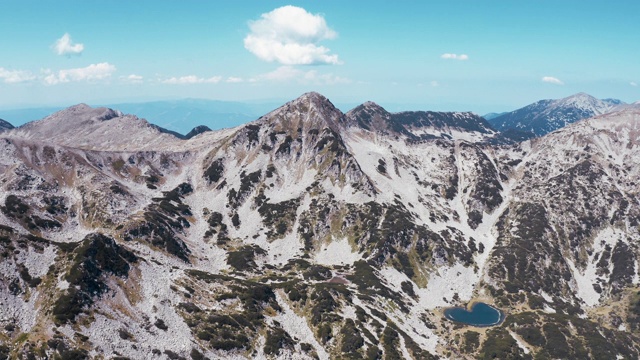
column 481, row 315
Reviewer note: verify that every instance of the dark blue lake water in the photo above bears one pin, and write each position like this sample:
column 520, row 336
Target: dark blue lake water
column 480, row 315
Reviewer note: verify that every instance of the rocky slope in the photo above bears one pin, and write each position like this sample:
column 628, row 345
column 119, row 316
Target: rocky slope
column 545, row 116
column 310, row 233
column 87, row 128
column 419, row 125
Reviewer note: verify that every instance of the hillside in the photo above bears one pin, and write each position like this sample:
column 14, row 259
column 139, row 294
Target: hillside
column 310, row 233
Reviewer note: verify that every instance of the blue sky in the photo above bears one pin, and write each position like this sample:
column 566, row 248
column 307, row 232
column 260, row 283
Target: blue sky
column 435, row 55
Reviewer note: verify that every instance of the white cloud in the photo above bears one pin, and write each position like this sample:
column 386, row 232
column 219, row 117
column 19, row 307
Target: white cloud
column 132, row 79
column 192, row 79
column 455, row 56
column 290, row 35
column 633, row 83
column 327, row 79
column 283, row 73
column 65, row 46
column 552, row 80
column 92, row 72
column 435, row 83
column 15, row 76
column 232, row 79
column 290, row 73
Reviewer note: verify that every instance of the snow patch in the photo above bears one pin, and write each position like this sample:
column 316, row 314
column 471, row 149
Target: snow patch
column 445, row 283
column 521, row 344
column 63, row 285
column 337, row 252
column 37, row 262
column 585, row 279
column 393, row 277
column 545, row 296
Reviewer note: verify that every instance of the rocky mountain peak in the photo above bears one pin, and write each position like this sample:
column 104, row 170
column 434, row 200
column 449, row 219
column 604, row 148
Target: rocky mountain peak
column 315, row 101
column 369, row 116
column 71, row 119
column 373, row 106
column 583, row 101
column 94, row 128
column 83, row 112
column 309, row 111
column 312, row 96
column 197, row 131
column 580, row 95
column 312, row 101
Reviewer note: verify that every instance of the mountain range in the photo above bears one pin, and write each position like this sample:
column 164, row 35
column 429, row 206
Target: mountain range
column 313, row 233
column 545, row 116
column 175, row 115
column 492, row 115
column 182, row 116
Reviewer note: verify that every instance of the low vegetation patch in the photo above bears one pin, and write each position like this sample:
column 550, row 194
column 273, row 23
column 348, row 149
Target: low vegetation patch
column 164, row 220
column 95, row 258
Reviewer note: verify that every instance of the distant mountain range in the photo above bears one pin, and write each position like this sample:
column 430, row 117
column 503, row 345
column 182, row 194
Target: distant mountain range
column 5, row 125
column 545, row 116
column 180, row 116
column 492, row 115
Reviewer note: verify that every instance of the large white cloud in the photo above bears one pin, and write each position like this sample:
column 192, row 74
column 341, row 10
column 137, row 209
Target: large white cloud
column 192, row 79
column 92, row 72
column 290, row 35
column 449, row 56
column 65, row 46
column 552, row 80
column 15, row 76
